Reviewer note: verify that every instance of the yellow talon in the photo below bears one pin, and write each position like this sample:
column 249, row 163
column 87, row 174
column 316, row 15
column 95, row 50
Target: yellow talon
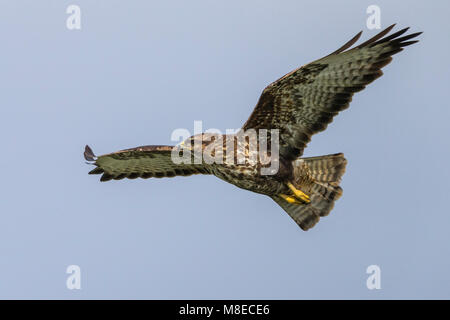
column 298, row 193
column 290, row 199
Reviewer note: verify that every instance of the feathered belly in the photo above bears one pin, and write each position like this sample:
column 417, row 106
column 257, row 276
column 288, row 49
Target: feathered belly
column 249, row 178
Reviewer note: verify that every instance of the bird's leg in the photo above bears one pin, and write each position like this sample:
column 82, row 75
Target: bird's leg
column 290, row 199
column 299, row 194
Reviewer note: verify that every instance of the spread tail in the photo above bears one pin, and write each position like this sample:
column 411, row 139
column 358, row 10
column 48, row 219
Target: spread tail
column 318, row 177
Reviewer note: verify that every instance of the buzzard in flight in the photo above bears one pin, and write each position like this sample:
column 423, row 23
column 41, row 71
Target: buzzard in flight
column 298, row 105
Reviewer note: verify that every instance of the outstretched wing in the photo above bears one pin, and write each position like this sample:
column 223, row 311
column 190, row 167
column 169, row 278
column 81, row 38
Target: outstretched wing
column 305, row 101
column 141, row 162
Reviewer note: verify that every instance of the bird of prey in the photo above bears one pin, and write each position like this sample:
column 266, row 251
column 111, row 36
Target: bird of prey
column 298, row 105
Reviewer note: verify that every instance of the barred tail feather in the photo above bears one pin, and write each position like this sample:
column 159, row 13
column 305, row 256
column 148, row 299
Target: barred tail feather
column 327, row 169
column 319, row 177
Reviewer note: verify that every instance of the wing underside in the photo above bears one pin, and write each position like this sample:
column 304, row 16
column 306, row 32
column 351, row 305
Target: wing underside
column 141, row 162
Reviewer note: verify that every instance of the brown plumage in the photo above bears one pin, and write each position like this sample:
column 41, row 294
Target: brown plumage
column 299, row 104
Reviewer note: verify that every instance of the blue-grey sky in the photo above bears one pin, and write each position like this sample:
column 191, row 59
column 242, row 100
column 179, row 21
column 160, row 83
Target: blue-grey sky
column 136, row 71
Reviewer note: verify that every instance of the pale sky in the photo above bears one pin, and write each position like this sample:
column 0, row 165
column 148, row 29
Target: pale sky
column 136, row 71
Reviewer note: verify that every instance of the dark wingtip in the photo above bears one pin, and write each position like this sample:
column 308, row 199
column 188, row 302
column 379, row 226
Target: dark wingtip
column 348, row 44
column 106, row 177
column 377, row 37
column 97, row 170
column 88, row 154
